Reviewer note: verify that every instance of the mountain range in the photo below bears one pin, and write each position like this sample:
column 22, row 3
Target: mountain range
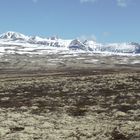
column 14, row 38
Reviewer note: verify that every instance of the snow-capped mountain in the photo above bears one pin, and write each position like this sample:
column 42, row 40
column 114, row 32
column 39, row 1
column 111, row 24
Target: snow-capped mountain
column 13, row 36
column 52, row 41
column 87, row 45
column 77, row 45
column 54, row 44
column 122, row 48
column 92, row 45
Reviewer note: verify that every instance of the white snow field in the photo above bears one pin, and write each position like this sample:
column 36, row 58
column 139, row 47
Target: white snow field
column 17, row 43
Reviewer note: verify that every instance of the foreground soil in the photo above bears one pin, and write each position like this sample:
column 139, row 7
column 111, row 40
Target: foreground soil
column 70, row 104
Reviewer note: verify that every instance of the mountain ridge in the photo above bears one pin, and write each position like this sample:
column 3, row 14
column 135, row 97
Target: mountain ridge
column 71, row 44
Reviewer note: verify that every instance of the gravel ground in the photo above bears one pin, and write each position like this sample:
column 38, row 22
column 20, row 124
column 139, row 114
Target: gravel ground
column 86, row 102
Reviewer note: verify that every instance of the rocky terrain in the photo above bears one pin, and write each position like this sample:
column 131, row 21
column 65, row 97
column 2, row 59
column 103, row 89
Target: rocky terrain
column 58, row 97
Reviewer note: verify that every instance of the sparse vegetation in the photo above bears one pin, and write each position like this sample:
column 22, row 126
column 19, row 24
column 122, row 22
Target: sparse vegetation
column 41, row 99
column 76, row 105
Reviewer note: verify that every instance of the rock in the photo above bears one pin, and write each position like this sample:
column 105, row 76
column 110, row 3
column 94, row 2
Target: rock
column 120, row 114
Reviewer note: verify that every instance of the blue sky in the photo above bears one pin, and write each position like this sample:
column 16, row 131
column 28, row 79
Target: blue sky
column 103, row 20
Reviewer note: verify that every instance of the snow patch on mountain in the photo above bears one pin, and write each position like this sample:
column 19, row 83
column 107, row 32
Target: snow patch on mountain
column 77, row 45
column 13, row 36
column 36, row 43
column 122, row 48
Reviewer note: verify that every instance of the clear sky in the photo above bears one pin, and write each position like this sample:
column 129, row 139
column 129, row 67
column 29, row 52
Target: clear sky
column 103, row 20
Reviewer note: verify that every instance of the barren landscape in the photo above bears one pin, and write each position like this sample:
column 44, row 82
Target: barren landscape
column 69, row 69
column 58, row 97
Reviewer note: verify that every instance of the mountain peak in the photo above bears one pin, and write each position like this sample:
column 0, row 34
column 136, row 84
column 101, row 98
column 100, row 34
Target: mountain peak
column 77, row 45
column 13, row 36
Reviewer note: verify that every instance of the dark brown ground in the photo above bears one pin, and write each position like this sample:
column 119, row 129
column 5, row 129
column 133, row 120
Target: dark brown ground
column 76, row 97
column 72, row 104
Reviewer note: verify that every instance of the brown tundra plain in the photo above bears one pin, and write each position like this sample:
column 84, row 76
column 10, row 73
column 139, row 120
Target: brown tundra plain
column 69, row 98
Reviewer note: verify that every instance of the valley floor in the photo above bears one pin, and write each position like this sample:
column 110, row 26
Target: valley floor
column 84, row 102
column 73, row 105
